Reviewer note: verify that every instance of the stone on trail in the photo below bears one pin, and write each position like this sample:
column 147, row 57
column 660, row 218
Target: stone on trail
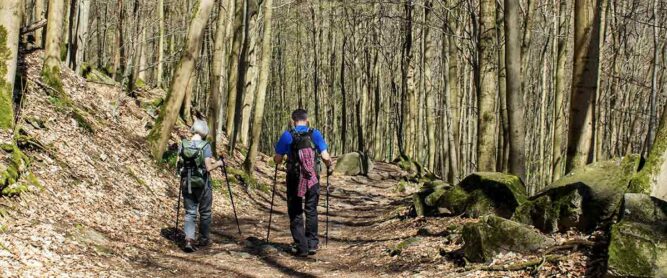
column 493, row 235
column 587, row 198
column 638, row 246
column 354, row 163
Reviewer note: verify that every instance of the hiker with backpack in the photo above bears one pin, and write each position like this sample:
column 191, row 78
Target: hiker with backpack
column 303, row 147
column 195, row 164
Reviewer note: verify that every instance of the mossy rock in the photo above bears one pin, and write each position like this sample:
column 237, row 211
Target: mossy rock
column 455, row 200
column 638, row 246
column 653, row 173
column 12, row 169
column 439, row 189
column 493, row 235
column 586, row 199
column 419, row 204
column 412, row 167
column 479, row 194
column 354, row 163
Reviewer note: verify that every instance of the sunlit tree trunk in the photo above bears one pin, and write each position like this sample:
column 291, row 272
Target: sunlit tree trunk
column 160, row 45
column 214, row 107
column 264, row 74
column 515, row 101
column 562, row 29
column 159, row 135
column 233, row 66
column 54, row 35
column 10, row 25
column 585, row 76
column 487, row 91
column 428, row 81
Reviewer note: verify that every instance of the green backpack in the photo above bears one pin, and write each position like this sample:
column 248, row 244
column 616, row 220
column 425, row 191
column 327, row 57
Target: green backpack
column 193, row 167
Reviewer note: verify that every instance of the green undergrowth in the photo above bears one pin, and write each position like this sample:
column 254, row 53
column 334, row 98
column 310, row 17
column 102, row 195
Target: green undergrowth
column 398, row 249
column 62, row 102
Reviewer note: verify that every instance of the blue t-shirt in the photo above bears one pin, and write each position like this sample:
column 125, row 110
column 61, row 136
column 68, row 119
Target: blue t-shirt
column 283, row 145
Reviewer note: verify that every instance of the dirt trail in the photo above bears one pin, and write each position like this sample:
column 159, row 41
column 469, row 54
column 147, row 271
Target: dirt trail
column 353, row 208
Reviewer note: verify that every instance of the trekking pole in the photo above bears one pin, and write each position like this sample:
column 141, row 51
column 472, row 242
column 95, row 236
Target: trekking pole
column 178, row 192
column 231, row 197
column 273, row 195
column 326, row 234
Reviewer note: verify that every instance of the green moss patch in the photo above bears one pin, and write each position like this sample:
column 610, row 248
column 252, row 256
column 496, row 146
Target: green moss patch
column 6, row 99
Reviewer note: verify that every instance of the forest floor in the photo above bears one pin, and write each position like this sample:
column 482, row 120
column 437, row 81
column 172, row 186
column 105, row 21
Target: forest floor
column 104, row 208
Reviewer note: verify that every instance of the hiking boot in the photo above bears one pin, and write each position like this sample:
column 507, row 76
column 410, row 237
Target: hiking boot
column 312, row 252
column 203, row 242
column 298, row 253
column 189, row 246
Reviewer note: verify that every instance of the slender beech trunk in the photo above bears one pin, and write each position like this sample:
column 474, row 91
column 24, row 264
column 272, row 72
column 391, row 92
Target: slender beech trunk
column 515, row 102
column 654, row 79
column 54, row 35
column 251, row 74
column 160, row 45
column 487, row 90
column 233, row 65
column 264, row 74
column 428, row 82
column 214, row 107
column 160, row 134
column 585, row 76
column 561, row 23
column 10, row 25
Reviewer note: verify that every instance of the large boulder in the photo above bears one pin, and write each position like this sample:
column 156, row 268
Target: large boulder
column 484, row 193
column 585, row 199
column 652, row 178
column 493, row 235
column 354, row 163
column 638, row 246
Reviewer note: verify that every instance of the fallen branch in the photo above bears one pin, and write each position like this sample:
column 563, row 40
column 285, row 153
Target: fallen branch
column 34, row 26
column 523, row 265
column 572, row 244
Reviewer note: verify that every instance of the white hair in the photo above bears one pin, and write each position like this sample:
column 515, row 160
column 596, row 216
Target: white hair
column 200, row 127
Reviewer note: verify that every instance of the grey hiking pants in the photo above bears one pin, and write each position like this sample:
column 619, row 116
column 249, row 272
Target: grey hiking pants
column 200, row 200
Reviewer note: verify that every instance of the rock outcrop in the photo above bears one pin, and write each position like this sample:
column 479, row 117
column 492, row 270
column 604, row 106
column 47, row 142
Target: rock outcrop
column 638, row 246
column 354, row 163
column 493, row 235
column 585, row 199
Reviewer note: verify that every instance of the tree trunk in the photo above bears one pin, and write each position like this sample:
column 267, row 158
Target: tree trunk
column 40, row 12
column 233, row 66
column 562, row 29
column 160, row 45
column 264, row 74
column 54, row 35
column 251, row 74
column 428, row 82
column 654, row 79
column 161, row 132
column 214, row 107
column 10, row 25
column 517, row 160
column 585, row 76
column 487, row 90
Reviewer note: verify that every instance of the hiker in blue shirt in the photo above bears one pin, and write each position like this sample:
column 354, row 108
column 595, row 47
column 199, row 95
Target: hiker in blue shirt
column 303, row 147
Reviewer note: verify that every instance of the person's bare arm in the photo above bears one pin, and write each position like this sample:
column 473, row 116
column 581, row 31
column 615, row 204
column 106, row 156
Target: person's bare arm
column 211, row 164
column 327, row 158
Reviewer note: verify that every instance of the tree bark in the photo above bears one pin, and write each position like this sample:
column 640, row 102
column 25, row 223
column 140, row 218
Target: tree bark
column 54, row 35
column 160, row 134
column 215, row 104
column 233, row 66
column 10, row 26
column 264, row 74
column 585, row 76
column 515, row 102
column 160, row 46
column 562, row 31
column 487, row 90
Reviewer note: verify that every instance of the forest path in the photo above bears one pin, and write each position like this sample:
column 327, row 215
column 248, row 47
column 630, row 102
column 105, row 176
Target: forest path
column 356, row 203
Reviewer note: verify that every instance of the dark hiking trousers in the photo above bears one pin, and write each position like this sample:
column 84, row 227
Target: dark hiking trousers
column 200, row 200
column 305, row 236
